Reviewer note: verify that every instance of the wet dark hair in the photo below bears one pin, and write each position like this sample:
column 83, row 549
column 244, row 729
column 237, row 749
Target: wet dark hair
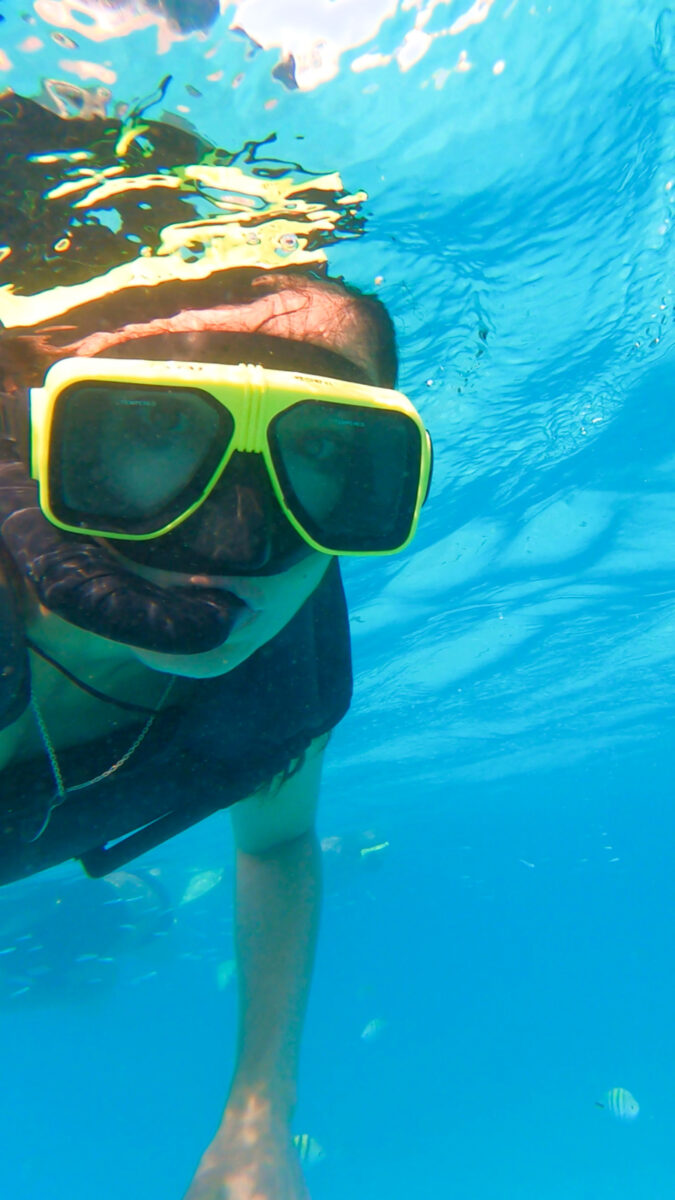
column 385, row 348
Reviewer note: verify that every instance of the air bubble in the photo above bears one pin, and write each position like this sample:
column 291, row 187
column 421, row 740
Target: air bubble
column 288, row 242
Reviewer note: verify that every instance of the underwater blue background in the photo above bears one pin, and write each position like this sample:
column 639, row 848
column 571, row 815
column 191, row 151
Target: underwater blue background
column 511, row 737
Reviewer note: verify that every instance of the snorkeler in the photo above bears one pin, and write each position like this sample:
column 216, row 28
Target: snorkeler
column 196, row 423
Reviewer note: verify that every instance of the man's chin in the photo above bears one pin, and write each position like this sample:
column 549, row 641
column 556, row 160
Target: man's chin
column 268, row 603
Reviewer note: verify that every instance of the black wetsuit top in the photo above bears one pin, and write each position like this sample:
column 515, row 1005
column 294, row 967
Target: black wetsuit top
column 234, row 734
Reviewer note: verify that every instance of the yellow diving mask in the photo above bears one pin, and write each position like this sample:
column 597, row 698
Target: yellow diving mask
column 129, row 449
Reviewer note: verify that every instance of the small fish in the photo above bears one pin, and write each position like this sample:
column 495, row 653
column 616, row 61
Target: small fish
column 373, row 1029
column 309, row 1150
column 225, row 973
column 200, row 884
column 331, row 844
column 143, row 978
column 374, row 849
column 620, row 1103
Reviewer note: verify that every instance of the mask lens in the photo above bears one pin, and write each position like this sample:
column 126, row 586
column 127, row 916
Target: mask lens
column 349, row 474
column 131, row 458
column 239, row 530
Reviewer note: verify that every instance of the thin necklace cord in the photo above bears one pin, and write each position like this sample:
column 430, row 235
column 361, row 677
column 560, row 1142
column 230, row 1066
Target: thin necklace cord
column 128, row 705
column 62, row 790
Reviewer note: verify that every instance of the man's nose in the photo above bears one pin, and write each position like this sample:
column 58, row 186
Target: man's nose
column 234, row 523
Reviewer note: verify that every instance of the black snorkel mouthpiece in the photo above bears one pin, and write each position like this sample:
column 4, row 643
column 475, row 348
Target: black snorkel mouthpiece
column 79, row 580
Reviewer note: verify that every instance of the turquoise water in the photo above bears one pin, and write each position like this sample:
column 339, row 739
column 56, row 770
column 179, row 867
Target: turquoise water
column 511, row 736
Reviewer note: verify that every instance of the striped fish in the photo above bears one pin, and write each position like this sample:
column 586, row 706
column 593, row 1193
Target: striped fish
column 309, row 1150
column 373, row 1029
column 620, row 1103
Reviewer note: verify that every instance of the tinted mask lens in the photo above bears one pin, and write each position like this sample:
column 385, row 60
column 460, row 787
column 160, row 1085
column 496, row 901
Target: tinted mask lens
column 238, row 530
column 130, row 459
column 349, row 473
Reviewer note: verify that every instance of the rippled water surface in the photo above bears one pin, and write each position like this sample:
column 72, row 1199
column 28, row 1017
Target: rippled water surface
column 511, row 738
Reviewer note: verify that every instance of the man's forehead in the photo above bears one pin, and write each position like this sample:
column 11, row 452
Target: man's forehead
column 316, row 313
column 320, row 313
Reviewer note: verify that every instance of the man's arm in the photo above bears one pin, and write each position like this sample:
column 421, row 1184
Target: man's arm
column 278, row 890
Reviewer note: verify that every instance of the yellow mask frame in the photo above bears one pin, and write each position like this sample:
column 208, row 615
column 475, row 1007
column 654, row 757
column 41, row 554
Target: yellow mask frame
column 379, row 474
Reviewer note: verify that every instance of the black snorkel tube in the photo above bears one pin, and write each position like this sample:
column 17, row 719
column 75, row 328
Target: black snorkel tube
column 78, row 579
